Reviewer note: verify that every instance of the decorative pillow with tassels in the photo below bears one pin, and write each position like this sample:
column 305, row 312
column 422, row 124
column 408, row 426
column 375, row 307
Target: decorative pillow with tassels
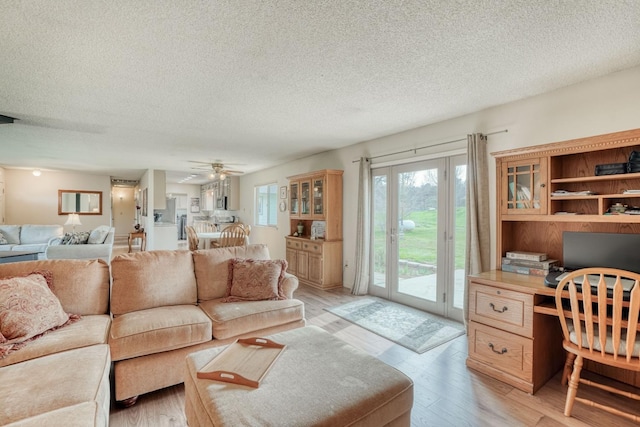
column 255, row 280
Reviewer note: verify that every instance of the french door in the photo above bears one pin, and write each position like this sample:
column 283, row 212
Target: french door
column 419, row 234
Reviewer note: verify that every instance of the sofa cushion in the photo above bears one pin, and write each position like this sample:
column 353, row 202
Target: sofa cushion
column 30, row 233
column 32, row 247
column 11, row 233
column 85, row 291
column 255, row 280
column 158, row 329
column 230, row 320
column 212, row 267
column 89, row 330
column 149, row 279
column 80, row 415
column 98, row 235
column 27, row 308
column 56, row 381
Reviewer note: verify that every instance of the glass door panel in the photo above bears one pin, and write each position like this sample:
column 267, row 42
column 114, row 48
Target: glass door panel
column 305, row 198
column 293, row 202
column 379, row 232
column 318, row 197
column 419, row 234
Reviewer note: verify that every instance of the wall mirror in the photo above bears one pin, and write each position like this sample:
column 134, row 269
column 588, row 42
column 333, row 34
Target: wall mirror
column 79, row 201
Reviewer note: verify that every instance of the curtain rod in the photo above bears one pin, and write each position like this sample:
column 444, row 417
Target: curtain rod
column 413, row 150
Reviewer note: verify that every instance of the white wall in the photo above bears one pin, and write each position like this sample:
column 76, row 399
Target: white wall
column 34, row 200
column 607, row 104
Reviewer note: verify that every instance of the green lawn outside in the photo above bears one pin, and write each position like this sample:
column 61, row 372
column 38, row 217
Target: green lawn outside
column 419, row 245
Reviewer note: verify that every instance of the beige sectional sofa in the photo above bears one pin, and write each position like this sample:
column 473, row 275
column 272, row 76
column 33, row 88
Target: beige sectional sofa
column 62, row 378
column 142, row 316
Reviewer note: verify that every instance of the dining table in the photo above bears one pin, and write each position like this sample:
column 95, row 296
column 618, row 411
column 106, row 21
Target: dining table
column 206, row 237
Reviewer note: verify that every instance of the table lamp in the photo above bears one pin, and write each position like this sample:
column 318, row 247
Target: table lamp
column 73, row 220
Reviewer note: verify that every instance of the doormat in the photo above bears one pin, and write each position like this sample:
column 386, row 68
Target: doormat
column 407, row 326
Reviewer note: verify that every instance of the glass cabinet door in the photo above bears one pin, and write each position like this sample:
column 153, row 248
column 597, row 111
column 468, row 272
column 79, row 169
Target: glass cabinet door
column 294, row 207
column 305, row 198
column 318, row 197
column 524, row 187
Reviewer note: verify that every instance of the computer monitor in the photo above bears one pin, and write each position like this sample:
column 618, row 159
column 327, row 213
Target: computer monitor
column 612, row 250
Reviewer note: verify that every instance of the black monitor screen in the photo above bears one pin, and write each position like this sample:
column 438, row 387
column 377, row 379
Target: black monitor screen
column 612, row 250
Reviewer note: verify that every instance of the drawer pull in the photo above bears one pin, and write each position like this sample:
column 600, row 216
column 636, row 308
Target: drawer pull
column 498, row 311
column 503, row 351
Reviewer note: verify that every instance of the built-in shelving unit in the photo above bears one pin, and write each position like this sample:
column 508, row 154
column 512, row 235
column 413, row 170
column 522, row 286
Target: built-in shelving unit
column 531, row 218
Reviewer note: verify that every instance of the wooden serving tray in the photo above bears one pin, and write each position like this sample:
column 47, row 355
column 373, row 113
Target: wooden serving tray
column 245, row 362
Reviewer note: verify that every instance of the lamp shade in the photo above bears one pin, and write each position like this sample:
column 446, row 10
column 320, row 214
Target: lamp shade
column 73, row 219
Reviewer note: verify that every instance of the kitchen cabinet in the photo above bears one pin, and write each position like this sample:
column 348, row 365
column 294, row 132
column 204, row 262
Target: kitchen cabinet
column 316, row 196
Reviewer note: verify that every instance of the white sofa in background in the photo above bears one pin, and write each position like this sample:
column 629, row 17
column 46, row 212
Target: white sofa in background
column 99, row 246
column 28, row 237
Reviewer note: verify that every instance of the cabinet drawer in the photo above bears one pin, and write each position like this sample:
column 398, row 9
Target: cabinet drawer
column 294, row 244
column 314, row 248
column 501, row 350
column 502, row 308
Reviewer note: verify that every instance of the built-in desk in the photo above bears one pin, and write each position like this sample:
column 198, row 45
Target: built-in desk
column 514, row 334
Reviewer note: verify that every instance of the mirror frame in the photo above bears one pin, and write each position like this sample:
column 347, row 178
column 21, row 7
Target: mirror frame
column 63, row 212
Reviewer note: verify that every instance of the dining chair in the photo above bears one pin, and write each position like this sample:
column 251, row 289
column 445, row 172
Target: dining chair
column 192, row 237
column 599, row 325
column 233, row 235
column 247, row 228
column 204, row 226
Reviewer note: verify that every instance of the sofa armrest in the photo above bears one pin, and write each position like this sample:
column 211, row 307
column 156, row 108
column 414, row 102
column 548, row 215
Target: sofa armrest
column 289, row 284
column 54, row 241
column 99, row 251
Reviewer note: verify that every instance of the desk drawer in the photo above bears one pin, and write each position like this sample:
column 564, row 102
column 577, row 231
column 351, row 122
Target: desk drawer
column 501, row 308
column 501, row 350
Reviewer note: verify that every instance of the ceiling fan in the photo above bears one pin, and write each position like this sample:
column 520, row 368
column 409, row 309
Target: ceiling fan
column 217, row 170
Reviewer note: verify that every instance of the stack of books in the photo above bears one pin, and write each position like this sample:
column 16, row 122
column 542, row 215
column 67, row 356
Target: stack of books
column 532, row 263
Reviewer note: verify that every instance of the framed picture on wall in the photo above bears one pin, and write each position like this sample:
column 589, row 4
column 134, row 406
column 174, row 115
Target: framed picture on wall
column 283, row 192
column 195, row 204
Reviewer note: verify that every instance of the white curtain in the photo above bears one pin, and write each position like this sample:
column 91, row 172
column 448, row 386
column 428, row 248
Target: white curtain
column 478, row 234
column 363, row 230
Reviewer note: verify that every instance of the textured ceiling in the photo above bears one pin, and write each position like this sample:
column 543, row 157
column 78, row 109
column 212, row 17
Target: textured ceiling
column 121, row 86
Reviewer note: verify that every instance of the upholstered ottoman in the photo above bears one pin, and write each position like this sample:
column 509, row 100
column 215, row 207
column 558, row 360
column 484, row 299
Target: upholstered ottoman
column 318, row 380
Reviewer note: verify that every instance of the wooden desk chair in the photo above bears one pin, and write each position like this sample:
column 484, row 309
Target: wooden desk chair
column 602, row 326
column 192, row 237
column 233, row 235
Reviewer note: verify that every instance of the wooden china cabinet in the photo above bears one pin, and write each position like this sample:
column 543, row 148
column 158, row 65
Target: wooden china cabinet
column 543, row 191
column 316, row 198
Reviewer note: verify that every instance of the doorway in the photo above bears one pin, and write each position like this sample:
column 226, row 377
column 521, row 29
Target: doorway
column 419, row 234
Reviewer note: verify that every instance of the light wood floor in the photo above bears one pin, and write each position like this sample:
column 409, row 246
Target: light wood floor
column 446, row 392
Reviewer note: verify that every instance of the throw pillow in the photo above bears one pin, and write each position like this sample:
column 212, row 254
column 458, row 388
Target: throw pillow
column 98, row 235
column 3, row 241
column 255, row 280
column 28, row 309
column 77, row 238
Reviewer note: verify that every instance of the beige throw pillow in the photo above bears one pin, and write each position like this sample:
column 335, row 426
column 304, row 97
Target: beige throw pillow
column 28, row 309
column 255, row 280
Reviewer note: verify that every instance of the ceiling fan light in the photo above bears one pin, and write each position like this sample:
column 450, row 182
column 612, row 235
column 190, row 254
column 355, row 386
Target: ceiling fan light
column 222, row 176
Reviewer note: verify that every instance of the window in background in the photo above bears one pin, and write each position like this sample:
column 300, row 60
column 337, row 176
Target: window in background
column 266, row 205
